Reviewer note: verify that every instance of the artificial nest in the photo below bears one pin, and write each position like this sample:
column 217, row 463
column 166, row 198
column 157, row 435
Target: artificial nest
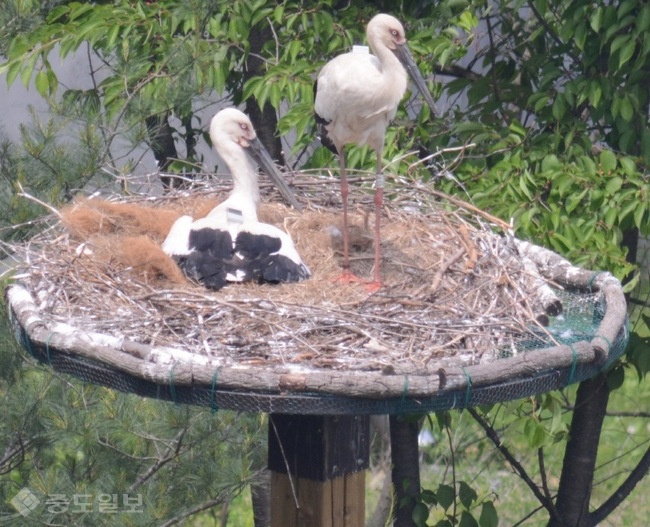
column 461, row 294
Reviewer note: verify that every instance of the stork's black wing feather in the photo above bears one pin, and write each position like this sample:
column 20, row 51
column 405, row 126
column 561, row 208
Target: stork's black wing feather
column 321, row 124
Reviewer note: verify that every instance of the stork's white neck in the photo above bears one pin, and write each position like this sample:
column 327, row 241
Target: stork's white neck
column 389, row 62
column 245, row 195
column 245, row 179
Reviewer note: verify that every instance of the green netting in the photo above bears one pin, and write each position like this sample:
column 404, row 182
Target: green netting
column 583, row 314
column 470, row 316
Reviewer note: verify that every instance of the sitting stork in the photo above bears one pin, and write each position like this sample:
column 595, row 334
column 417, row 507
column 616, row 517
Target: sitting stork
column 356, row 96
column 230, row 244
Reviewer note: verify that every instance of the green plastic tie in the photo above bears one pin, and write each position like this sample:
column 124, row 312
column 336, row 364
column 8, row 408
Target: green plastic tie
column 405, row 391
column 468, row 390
column 592, row 280
column 213, row 397
column 47, row 348
column 172, row 389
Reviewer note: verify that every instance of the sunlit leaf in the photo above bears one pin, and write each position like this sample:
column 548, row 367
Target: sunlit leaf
column 607, row 161
column 41, row 83
column 626, row 52
column 596, row 19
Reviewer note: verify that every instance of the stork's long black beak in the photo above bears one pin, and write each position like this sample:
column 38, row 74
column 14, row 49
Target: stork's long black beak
column 403, row 53
column 259, row 153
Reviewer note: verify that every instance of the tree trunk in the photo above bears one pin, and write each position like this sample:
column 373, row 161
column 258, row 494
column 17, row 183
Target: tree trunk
column 574, row 493
column 162, row 144
column 406, row 468
column 265, row 120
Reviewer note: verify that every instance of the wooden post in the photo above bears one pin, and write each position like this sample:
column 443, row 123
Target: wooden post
column 318, row 468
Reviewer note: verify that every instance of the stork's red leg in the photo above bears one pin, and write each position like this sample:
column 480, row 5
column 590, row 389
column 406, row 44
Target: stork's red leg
column 379, row 199
column 346, row 276
column 344, row 197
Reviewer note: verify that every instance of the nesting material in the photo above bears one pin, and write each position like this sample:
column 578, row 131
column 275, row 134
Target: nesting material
column 456, row 289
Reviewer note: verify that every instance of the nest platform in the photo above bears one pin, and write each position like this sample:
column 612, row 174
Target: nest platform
column 468, row 313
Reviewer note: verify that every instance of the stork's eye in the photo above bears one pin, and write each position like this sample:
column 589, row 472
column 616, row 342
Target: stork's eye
column 394, row 32
column 243, row 126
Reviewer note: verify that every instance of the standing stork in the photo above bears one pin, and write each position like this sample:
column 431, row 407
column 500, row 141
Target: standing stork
column 356, row 96
column 230, row 244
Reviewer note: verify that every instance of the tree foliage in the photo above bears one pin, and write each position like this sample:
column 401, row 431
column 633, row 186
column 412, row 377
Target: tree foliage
column 543, row 119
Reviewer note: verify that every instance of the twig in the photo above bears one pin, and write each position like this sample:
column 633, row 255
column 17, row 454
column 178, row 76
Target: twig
column 443, row 269
column 467, row 206
column 439, row 153
column 286, row 464
column 517, row 467
column 24, row 194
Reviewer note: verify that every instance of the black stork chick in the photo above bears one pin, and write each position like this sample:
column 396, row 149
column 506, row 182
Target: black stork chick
column 230, row 244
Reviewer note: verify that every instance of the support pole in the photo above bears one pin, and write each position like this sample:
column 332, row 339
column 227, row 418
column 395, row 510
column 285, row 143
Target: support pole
column 318, row 466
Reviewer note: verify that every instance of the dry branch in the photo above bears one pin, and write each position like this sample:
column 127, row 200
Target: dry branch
column 459, row 300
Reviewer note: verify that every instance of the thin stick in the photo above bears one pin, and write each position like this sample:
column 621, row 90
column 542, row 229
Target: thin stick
column 286, row 464
column 443, row 269
column 24, row 194
column 467, row 206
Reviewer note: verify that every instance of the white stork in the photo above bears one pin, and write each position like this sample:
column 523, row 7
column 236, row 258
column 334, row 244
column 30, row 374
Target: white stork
column 230, row 244
column 356, row 96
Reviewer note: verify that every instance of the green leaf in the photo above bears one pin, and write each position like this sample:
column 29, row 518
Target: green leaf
column 607, row 161
column 446, row 495
column 559, row 107
column 524, row 188
column 57, row 13
column 467, row 495
column 618, row 42
column 596, row 19
column 629, row 166
column 626, row 109
column 581, row 36
column 467, row 520
column 444, row 419
column 538, row 436
column 640, row 219
column 643, row 20
column 489, row 517
column 610, row 216
column 626, row 52
column 574, row 200
column 428, row 497
column 12, row 71
column 420, row 514
column 550, row 162
column 615, row 378
column 614, row 185
column 41, row 82
column 595, row 92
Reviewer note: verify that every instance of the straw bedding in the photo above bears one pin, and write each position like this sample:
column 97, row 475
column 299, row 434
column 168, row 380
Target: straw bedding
column 456, row 290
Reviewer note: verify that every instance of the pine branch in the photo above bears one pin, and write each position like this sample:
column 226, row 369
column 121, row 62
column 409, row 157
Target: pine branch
column 171, row 454
column 14, row 454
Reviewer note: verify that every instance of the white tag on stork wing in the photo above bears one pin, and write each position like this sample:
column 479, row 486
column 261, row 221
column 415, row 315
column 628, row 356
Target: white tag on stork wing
column 361, row 49
column 234, row 216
